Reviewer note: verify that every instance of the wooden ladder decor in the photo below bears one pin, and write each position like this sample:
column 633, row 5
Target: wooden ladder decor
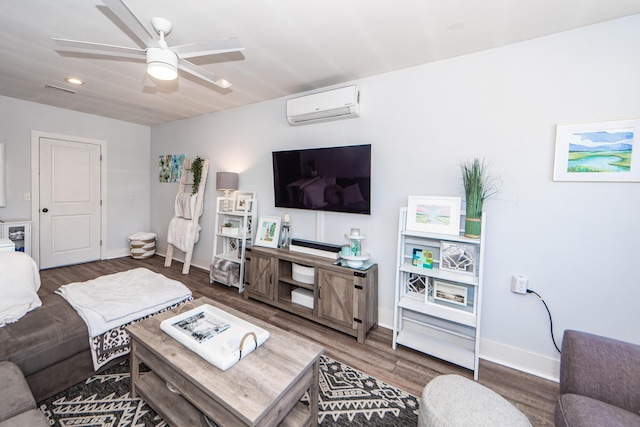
column 186, row 180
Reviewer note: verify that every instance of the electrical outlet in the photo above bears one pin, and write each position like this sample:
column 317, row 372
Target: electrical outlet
column 27, row 197
column 519, row 284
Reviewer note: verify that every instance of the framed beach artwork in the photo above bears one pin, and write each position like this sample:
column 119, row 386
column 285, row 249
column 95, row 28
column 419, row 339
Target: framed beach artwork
column 434, row 214
column 268, row 231
column 598, row 151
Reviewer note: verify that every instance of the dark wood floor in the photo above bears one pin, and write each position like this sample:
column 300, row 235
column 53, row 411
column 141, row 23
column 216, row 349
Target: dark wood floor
column 403, row 368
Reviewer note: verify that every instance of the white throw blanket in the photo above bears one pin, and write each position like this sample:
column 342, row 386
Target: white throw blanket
column 19, row 284
column 186, row 205
column 116, row 299
column 180, row 233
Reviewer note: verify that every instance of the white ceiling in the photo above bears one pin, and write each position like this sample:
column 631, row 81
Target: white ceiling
column 291, row 46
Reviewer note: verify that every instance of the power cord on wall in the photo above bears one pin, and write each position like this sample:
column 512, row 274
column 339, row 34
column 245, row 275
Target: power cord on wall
column 550, row 319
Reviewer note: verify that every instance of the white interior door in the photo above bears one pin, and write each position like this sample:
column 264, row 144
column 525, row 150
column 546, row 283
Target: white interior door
column 70, row 193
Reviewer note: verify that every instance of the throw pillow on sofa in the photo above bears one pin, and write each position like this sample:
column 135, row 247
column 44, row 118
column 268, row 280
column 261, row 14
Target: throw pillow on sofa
column 19, row 286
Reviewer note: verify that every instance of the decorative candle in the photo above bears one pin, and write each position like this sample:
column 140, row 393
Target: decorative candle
column 355, row 231
column 286, row 217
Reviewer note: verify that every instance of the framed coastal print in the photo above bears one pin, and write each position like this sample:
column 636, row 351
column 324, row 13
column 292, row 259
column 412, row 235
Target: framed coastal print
column 268, row 231
column 448, row 292
column 598, row 151
column 241, row 198
column 434, row 214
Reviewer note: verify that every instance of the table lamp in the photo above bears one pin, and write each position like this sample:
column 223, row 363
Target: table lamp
column 227, row 182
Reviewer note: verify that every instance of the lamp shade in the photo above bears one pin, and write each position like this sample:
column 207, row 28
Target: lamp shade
column 226, row 181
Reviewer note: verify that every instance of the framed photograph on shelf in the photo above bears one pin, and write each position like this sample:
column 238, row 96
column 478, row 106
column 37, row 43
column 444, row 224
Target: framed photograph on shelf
column 458, row 257
column 434, row 214
column 268, row 231
column 241, row 198
column 598, row 151
column 448, row 292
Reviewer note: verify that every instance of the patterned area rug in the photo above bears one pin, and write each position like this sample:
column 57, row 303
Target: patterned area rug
column 347, row 398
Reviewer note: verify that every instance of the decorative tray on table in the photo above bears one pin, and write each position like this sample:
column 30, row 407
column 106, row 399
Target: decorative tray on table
column 220, row 338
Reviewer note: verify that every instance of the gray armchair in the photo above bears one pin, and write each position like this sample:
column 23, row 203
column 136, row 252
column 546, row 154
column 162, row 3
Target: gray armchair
column 599, row 382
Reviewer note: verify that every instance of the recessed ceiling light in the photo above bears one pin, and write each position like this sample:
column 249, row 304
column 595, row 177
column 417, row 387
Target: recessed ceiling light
column 75, row 81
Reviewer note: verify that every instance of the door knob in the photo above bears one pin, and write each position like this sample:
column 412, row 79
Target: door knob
column 45, row 210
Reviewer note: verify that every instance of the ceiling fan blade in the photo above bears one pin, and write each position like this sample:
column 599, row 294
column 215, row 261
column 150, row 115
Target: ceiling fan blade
column 122, row 11
column 100, row 48
column 203, row 74
column 208, row 48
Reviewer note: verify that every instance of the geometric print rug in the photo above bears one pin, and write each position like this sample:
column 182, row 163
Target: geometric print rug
column 347, row 397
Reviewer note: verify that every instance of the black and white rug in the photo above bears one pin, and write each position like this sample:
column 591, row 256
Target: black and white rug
column 348, row 397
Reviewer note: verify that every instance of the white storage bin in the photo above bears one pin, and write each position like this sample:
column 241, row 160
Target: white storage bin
column 303, row 297
column 143, row 245
column 303, row 274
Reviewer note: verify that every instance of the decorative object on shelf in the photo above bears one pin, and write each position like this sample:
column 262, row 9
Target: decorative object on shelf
column 229, row 229
column 458, row 257
column 170, row 166
column 268, row 231
column 598, row 151
column 227, row 182
column 422, row 258
column 356, row 256
column 196, row 171
column 434, row 214
column 479, row 185
column 240, row 198
column 448, row 292
column 285, row 234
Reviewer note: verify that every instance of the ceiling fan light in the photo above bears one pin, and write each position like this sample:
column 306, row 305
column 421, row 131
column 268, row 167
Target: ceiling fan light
column 162, row 64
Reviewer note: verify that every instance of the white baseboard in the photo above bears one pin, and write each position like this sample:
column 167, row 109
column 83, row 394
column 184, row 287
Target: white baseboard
column 118, row 253
column 521, row 360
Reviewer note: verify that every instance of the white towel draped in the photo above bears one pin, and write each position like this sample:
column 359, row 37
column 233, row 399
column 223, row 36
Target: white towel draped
column 186, row 205
column 180, row 233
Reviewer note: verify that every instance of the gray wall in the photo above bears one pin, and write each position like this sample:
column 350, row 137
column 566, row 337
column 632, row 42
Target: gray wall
column 127, row 147
column 576, row 241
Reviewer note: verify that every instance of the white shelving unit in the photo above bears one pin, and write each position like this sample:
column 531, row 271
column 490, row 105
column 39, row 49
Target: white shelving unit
column 230, row 243
column 19, row 232
column 437, row 309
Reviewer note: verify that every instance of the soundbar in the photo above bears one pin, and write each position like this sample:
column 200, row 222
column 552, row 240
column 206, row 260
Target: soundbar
column 326, row 250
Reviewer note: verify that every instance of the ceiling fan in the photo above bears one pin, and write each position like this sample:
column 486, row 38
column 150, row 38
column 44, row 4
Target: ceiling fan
column 162, row 62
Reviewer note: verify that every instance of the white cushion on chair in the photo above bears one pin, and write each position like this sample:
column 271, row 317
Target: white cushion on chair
column 19, row 286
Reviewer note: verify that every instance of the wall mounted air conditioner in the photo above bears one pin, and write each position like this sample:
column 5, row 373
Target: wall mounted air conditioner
column 335, row 104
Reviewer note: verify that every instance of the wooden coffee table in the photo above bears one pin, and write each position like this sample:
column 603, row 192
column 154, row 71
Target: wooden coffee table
column 262, row 389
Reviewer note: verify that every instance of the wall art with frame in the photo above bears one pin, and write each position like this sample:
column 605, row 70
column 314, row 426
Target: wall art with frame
column 450, row 293
column 268, row 231
column 434, row 214
column 598, row 151
column 240, row 198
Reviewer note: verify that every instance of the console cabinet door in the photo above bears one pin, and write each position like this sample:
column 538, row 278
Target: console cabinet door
column 336, row 297
column 262, row 275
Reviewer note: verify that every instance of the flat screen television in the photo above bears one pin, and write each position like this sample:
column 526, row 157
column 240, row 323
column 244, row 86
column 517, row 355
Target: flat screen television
column 334, row 179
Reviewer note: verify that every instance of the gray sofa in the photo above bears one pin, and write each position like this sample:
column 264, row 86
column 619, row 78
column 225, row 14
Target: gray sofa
column 17, row 405
column 599, row 382
column 50, row 345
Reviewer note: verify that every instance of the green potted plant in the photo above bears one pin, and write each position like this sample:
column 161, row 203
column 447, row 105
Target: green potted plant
column 479, row 185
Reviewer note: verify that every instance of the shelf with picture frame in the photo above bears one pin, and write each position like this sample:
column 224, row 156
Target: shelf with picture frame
column 234, row 232
column 439, row 302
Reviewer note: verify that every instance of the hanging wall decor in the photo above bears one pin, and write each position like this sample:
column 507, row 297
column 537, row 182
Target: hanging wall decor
column 170, row 167
column 598, row 151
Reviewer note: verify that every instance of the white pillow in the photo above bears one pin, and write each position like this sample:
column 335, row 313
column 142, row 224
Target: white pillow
column 19, row 284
